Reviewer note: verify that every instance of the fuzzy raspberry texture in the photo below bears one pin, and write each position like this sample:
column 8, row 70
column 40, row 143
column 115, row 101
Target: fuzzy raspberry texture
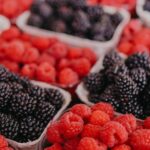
column 122, row 147
column 147, row 123
column 4, row 144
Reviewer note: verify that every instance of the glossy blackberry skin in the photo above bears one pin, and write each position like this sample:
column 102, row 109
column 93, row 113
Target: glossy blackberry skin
column 4, row 74
column 94, row 98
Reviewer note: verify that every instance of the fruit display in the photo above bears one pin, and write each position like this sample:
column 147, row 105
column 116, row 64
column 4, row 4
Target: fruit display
column 97, row 128
column 122, row 82
column 135, row 38
column 25, row 108
column 147, row 5
column 90, row 22
column 44, row 59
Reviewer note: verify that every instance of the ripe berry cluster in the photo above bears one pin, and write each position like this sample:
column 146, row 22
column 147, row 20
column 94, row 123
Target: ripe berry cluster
column 135, row 38
column 25, row 109
column 88, row 21
column 147, row 5
column 4, row 144
column 44, row 59
column 12, row 8
column 123, row 83
column 97, row 128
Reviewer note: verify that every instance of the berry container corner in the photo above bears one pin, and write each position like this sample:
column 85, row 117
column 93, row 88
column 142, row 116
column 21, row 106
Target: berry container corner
column 34, row 145
column 4, row 23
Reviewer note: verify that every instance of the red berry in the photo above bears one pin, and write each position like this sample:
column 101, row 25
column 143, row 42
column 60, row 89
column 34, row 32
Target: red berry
column 122, row 147
column 54, row 147
column 99, row 118
column 128, row 121
column 25, row 37
column 147, row 123
column 68, row 77
column 53, row 134
column 82, row 110
column 63, row 63
column 140, row 139
column 71, row 124
column 91, row 130
column 113, row 133
column 3, row 142
column 125, row 47
column 105, row 107
column 74, row 53
column 46, row 72
column 82, row 66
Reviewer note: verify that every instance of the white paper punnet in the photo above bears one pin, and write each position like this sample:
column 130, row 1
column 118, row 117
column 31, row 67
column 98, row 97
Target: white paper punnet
column 73, row 40
column 4, row 23
column 143, row 14
column 34, row 145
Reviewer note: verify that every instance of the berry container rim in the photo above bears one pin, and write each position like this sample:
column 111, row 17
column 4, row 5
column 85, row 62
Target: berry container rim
column 4, row 23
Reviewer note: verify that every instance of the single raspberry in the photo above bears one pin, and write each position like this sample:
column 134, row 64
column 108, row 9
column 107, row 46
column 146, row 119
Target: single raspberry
column 82, row 110
column 63, row 63
column 140, row 139
column 128, row 121
column 3, row 142
column 122, row 147
column 99, row 118
column 147, row 123
column 71, row 144
column 30, row 55
column 58, row 50
column 68, row 77
column 25, row 4
column 54, row 147
column 53, row 134
column 25, row 37
column 88, row 143
column 91, row 130
column 105, row 107
column 46, row 72
column 29, row 70
column 74, row 53
column 113, row 133
column 82, row 66
column 71, row 124
column 125, row 47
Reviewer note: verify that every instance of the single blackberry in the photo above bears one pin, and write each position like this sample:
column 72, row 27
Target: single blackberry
column 57, row 3
column 109, row 33
column 125, row 87
column 145, row 96
column 111, row 58
column 22, row 104
column 138, row 75
column 5, row 94
column 45, row 112
column 54, row 97
column 8, row 126
column 31, row 128
column 116, row 19
column 77, row 4
column 25, row 82
column 16, row 87
column 147, row 6
column 95, row 82
column 138, row 60
column 80, row 22
column 35, row 7
column 94, row 98
column 4, row 74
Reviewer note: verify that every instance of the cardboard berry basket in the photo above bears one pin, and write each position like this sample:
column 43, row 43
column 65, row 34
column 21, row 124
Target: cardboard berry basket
column 4, row 23
column 143, row 14
column 34, row 145
column 73, row 40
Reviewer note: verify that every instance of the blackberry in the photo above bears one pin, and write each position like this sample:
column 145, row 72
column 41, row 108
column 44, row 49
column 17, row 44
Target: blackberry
column 80, row 22
column 77, row 4
column 138, row 60
column 54, row 97
column 5, row 94
column 94, row 98
column 57, row 3
column 116, row 19
column 16, row 87
column 4, row 74
column 111, row 58
column 45, row 112
column 8, row 126
column 31, row 128
column 22, row 104
column 95, row 82
column 125, row 87
column 147, row 6
column 25, row 82
column 138, row 75
column 145, row 96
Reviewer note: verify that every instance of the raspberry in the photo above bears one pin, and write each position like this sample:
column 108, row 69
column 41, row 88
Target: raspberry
column 54, row 147
column 3, row 142
column 113, row 133
column 82, row 110
column 88, row 143
column 81, row 66
column 53, row 134
column 58, row 50
column 11, row 33
column 125, row 47
column 30, row 55
column 29, row 70
column 74, row 53
column 25, row 37
column 63, row 63
column 122, row 147
column 105, row 107
column 71, row 144
column 139, row 139
column 99, row 118
column 147, row 123
column 71, row 124
column 91, row 130
column 6, row 148
column 68, row 77
column 46, row 72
